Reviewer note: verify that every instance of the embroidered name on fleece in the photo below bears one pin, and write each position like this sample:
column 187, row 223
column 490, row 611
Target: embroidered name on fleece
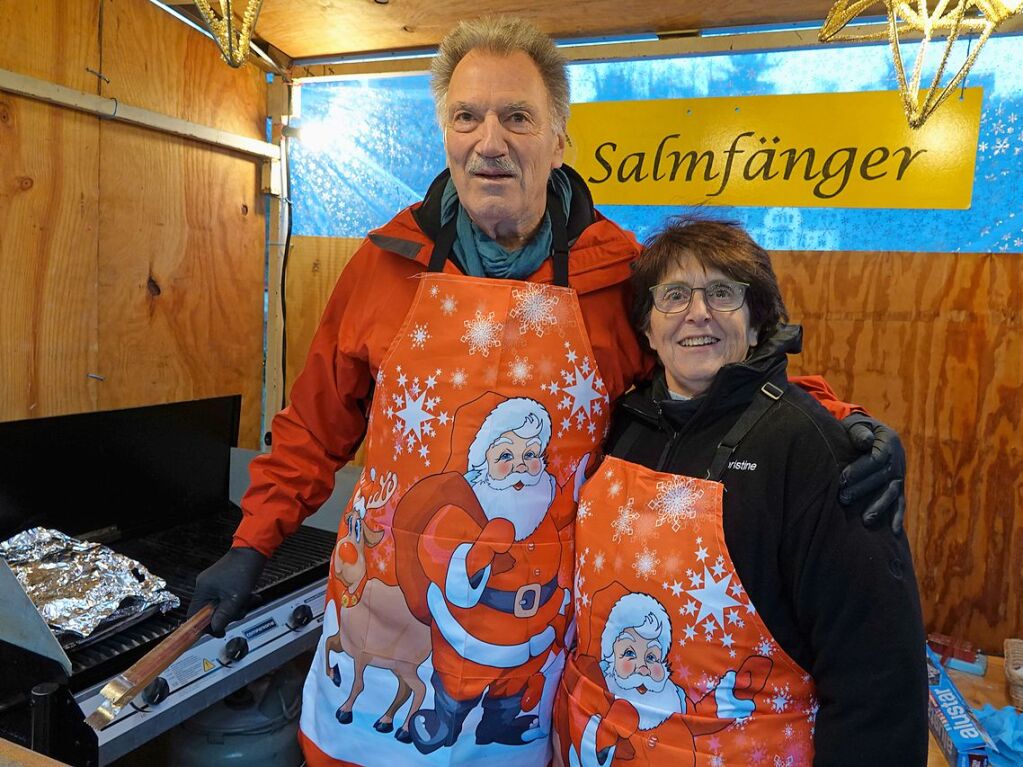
column 742, row 465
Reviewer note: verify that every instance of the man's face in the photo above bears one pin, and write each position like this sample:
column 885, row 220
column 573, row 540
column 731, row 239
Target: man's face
column 511, row 454
column 501, row 144
column 636, row 655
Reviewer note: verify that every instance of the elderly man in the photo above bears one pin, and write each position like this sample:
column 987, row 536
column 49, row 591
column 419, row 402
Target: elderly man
column 503, row 280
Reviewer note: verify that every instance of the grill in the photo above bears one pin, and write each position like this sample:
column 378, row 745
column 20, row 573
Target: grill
column 179, row 554
column 151, row 483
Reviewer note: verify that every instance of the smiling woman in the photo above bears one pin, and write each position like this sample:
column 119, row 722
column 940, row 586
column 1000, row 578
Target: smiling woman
column 705, row 294
column 739, row 617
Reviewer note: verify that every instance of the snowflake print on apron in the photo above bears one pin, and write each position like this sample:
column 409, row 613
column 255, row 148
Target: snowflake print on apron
column 450, row 592
column 673, row 665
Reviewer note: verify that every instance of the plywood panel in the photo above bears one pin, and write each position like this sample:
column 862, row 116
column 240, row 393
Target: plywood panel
column 181, row 274
column 933, row 343
column 132, row 262
column 54, row 41
column 155, row 62
column 48, row 209
column 317, row 27
column 314, row 265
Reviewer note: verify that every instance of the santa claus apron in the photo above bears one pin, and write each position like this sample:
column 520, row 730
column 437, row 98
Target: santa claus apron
column 450, row 585
column 673, row 665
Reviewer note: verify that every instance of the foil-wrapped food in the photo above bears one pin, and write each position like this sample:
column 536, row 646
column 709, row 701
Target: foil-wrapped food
column 78, row 586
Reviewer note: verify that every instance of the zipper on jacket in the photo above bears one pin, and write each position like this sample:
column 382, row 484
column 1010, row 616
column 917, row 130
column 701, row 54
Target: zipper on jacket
column 667, row 445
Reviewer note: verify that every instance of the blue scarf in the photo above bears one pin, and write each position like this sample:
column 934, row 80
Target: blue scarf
column 481, row 256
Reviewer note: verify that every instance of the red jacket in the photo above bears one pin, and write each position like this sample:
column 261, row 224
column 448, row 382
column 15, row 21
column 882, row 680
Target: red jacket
column 326, row 419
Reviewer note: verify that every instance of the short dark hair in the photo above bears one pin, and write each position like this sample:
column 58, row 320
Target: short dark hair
column 713, row 243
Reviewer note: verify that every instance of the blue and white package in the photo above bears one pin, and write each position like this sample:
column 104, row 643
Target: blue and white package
column 961, row 738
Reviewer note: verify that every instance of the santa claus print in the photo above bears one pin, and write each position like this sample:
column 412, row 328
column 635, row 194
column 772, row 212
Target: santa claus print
column 631, row 709
column 479, row 559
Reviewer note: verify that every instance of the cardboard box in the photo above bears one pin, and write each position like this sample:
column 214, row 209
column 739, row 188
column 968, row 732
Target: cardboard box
column 961, row 738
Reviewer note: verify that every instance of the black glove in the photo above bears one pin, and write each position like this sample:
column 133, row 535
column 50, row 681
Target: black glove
column 228, row 583
column 883, row 466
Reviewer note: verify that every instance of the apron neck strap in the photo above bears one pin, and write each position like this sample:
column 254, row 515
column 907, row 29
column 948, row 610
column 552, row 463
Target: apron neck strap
column 442, row 245
column 559, row 238
column 765, row 399
column 559, row 241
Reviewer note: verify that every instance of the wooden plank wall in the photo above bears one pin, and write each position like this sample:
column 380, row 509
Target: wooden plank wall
column 932, row 343
column 49, row 208
column 133, row 261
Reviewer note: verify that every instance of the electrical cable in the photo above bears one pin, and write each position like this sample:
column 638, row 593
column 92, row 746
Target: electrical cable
column 284, row 279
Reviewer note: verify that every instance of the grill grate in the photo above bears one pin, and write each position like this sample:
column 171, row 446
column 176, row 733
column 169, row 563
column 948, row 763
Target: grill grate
column 177, row 555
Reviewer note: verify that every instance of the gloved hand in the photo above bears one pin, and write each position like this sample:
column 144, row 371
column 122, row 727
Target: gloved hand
column 228, row 583
column 883, row 466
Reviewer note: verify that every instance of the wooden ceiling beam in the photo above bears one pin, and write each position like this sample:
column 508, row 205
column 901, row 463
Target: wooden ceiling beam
column 311, row 28
column 678, row 44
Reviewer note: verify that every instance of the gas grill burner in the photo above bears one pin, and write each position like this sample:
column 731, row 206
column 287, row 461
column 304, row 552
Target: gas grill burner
column 152, row 484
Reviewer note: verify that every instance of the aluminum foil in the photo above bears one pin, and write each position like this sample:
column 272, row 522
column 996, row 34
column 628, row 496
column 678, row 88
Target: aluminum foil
column 76, row 586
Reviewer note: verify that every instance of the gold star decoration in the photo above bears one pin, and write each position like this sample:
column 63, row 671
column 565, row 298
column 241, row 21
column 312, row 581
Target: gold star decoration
column 232, row 40
column 950, row 18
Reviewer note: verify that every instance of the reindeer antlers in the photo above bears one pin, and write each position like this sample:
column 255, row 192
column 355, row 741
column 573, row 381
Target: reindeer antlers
column 383, row 495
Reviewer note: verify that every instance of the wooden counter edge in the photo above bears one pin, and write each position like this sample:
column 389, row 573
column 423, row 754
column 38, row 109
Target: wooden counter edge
column 13, row 755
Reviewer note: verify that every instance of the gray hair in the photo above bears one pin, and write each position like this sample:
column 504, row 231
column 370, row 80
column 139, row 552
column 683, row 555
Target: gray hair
column 502, row 36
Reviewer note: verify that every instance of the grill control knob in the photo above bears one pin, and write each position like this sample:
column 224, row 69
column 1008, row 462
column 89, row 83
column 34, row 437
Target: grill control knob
column 300, row 616
column 156, row 691
column 235, row 649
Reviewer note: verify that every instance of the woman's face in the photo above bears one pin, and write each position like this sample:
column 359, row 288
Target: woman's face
column 694, row 344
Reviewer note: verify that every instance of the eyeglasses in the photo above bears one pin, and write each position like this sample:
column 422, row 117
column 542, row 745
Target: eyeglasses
column 721, row 296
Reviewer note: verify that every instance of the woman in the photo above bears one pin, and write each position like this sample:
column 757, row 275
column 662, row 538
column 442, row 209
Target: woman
column 729, row 611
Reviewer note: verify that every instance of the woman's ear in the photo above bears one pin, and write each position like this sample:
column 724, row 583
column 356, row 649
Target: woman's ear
column 752, row 336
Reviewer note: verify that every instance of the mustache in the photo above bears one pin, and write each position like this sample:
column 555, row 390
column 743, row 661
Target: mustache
column 635, row 679
column 524, row 477
column 477, row 164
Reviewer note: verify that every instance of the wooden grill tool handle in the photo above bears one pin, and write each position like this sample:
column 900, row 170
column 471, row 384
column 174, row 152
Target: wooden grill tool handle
column 150, row 665
column 120, row 690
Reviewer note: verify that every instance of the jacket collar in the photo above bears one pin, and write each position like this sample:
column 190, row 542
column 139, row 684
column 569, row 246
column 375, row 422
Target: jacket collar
column 601, row 252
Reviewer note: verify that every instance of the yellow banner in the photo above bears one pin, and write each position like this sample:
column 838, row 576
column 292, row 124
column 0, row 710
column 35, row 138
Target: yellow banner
column 843, row 150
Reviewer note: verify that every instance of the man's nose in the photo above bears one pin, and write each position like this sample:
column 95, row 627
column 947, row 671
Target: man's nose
column 492, row 142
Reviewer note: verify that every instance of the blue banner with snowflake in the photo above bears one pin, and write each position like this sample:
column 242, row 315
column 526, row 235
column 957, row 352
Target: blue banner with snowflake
column 371, row 146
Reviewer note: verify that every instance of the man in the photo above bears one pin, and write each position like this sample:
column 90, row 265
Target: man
column 394, row 356
column 495, row 596
column 645, row 715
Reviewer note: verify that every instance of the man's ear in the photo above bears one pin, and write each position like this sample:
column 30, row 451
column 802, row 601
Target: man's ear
column 559, row 152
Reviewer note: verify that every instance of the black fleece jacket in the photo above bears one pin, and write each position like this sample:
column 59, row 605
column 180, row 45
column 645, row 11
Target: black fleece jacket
column 840, row 599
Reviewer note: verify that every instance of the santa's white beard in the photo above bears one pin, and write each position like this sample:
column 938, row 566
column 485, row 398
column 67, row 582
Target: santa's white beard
column 524, row 508
column 660, row 700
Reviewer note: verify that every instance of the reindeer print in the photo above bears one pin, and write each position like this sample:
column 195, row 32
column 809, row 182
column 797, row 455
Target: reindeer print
column 400, row 643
